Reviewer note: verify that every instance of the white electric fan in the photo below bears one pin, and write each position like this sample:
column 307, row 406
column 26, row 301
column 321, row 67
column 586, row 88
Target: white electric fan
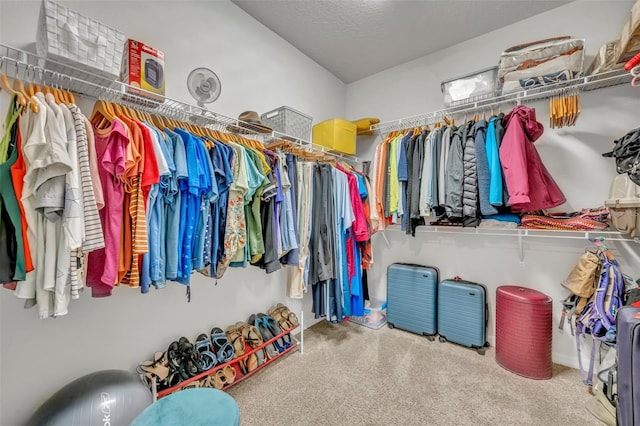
column 204, row 86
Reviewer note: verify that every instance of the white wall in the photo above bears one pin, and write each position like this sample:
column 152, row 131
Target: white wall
column 572, row 155
column 259, row 71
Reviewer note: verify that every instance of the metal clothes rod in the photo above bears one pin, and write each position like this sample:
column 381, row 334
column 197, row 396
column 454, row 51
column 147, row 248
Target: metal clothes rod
column 31, row 68
column 583, row 84
column 522, row 232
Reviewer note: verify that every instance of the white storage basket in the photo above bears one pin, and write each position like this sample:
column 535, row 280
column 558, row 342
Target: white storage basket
column 66, row 36
column 289, row 121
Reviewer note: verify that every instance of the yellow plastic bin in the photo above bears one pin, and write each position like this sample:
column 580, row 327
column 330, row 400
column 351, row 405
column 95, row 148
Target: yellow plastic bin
column 336, row 134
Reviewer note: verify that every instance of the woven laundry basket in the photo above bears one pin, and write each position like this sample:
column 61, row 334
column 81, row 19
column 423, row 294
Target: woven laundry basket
column 524, row 331
column 66, row 36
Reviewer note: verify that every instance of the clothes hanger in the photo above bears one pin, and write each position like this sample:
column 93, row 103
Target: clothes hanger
column 23, row 92
column 21, row 99
column 102, row 114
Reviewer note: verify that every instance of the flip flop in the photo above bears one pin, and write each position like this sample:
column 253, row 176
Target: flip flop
column 271, row 348
column 274, row 328
column 205, row 352
column 223, row 349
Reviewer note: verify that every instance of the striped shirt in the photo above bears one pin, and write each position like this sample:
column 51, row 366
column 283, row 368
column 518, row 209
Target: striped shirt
column 93, row 238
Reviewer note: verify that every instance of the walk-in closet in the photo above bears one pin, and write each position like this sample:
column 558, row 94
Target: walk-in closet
column 342, row 212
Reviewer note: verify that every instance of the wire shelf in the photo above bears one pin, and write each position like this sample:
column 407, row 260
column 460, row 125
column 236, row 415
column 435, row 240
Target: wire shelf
column 31, row 68
column 582, row 84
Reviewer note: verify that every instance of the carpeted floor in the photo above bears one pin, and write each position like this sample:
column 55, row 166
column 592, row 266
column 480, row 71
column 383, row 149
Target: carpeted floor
column 352, row 375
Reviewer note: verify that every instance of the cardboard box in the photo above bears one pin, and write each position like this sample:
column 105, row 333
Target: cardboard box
column 143, row 67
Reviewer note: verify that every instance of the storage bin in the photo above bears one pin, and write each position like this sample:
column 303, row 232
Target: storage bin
column 523, row 331
column 337, row 135
column 471, row 87
column 375, row 316
column 540, row 63
column 73, row 39
column 289, row 121
column 624, row 205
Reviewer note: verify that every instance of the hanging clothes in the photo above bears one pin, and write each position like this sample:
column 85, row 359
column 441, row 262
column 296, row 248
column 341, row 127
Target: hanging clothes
column 530, row 185
column 12, row 250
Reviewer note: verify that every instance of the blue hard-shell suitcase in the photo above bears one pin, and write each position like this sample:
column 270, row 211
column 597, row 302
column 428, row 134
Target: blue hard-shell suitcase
column 462, row 313
column 628, row 346
column 411, row 298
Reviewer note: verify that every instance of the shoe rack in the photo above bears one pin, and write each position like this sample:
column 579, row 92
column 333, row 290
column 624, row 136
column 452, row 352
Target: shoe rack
column 209, row 375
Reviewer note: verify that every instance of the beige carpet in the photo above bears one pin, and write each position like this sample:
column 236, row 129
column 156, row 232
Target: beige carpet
column 352, row 375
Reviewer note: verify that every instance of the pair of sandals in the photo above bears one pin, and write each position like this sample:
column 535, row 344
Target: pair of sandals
column 156, row 369
column 184, row 361
column 269, row 329
column 248, row 334
column 224, row 349
column 220, row 378
column 286, row 319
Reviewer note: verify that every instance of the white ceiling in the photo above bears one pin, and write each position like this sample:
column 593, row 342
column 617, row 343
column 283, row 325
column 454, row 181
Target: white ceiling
column 354, row 39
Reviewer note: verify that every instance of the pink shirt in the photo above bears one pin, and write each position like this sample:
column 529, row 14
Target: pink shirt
column 111, row 145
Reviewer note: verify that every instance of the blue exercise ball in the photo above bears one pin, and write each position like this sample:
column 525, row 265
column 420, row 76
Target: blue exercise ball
column 103, row 398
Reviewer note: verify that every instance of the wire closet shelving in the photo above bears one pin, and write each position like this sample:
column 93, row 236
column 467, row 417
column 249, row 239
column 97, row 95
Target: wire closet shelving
column 31, row 68
column 577, row 85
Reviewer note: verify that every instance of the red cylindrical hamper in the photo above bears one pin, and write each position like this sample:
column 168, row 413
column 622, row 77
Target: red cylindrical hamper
column 523, row 331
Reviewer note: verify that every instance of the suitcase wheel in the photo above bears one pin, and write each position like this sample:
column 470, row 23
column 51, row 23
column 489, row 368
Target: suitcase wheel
column 481, row 351
column 487, row 345
column 442, row 339
column 430, row 338
column 391, row 325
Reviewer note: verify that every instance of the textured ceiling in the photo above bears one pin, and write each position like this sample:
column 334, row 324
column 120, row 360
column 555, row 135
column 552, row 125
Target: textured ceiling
column 356, row 38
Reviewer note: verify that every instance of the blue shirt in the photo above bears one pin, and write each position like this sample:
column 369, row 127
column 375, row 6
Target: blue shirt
column 174, row 204
column 495, row 169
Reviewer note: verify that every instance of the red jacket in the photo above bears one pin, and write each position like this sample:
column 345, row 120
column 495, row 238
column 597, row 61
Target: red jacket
column 529, row 183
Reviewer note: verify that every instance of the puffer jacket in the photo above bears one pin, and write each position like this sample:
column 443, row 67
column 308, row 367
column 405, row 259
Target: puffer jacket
column 455, row 174
column 482, row 163
column 470, row 187
column 529, row 183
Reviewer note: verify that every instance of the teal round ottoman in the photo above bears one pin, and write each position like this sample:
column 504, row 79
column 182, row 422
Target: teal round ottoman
column 192, row 407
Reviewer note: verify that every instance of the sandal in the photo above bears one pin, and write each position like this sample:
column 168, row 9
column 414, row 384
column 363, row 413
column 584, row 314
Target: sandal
column 235, row 337
column 223, row 349
column 190, row 358
column 252, row 336
column 274, row 328
column 249, row 364
column 176, row 365
column 230, row 374
column 271, row 349
column 158, row 369
column 191, row 385
column 218, row 380
column 288, row 315
column 208, row 360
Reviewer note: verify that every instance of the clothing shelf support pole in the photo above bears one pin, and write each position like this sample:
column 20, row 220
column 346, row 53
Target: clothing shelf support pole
column 302, row 332
column 521, row 247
